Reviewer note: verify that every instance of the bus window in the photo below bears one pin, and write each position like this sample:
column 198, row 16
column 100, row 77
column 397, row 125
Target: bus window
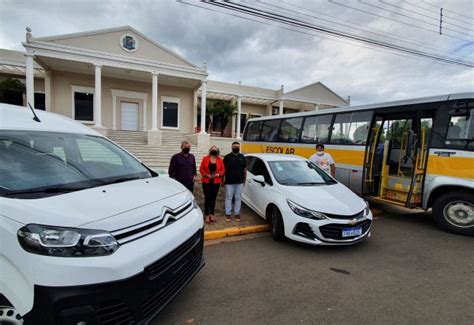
column 460, row 128
column 359, row 129
column 252, row 132
column 316, row 129
column 340, row 129
column 270, row 130
column 290, row 130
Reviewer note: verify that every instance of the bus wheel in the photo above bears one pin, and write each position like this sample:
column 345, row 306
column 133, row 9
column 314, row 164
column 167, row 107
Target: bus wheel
column 455, row 212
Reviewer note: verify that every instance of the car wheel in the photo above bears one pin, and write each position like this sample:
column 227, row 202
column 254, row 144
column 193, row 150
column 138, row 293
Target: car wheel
column 278, row 230
column 455, row 212
column 9, row 316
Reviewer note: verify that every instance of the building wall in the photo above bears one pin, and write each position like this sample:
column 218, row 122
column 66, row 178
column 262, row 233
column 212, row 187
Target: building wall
column 254, row 109
column 61, row 101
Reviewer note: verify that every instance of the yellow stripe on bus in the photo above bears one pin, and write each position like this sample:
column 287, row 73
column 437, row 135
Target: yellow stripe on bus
column 462, row 167
column 341, row 156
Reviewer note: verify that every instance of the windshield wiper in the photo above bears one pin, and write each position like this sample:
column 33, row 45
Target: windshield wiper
column 123, row 179
column 311, row 183
column 48, row 190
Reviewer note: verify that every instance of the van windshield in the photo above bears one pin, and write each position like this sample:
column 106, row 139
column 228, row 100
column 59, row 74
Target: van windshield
column 38, row 164
column 299, row 173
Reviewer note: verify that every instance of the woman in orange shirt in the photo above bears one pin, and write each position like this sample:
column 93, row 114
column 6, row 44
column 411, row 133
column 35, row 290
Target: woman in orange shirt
column 212, row 171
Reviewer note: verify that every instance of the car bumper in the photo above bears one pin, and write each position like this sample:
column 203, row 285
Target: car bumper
column 136, row 299
column 325, row 232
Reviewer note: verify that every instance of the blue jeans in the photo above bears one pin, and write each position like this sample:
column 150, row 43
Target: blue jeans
column 233, row 191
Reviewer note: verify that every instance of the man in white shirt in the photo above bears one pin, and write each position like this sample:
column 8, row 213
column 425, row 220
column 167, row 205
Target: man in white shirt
column 323, row 160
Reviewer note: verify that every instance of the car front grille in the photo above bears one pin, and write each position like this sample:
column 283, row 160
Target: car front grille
column 357, row 216
column 334, row 230
column 172, row 271
column 114, row 312
column 168, row 216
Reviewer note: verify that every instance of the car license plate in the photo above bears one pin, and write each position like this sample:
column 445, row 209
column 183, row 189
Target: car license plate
column 351, row 232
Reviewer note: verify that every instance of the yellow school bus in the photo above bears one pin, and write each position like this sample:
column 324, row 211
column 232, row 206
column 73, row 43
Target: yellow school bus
column 416, row 153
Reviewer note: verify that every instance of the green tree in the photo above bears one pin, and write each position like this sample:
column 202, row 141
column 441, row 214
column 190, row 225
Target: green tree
column 222, row 109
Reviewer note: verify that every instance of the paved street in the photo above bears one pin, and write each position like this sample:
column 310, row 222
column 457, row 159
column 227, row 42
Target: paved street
column 407, row 272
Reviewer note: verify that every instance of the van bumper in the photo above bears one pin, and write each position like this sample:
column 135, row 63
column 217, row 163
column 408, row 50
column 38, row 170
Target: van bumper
column 137, row 299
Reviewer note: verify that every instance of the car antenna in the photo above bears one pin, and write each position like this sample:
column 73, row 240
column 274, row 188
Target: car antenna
column 36, row 116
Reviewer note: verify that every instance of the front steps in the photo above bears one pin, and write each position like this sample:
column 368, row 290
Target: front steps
column 155, row 157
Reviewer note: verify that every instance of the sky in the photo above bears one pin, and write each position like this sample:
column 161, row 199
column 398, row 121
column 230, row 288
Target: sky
column 265, row 55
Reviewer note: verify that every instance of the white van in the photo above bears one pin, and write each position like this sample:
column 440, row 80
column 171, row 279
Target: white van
column 88, row 234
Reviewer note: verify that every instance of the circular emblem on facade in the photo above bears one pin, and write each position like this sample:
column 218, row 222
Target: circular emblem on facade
column 128, row 43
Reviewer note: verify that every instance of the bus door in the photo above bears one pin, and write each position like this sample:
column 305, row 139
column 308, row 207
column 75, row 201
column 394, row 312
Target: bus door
column 395, row 159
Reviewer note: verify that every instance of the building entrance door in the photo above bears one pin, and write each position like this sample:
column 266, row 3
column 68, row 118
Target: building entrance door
column 129, row 116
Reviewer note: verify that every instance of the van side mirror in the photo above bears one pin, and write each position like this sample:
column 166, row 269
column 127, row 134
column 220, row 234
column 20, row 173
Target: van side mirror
column 259, row 179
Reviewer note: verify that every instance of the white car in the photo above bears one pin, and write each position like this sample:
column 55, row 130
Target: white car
column 303, row 203
column 88, row 234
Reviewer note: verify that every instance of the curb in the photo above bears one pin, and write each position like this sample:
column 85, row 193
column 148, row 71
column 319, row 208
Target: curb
column 235, row 231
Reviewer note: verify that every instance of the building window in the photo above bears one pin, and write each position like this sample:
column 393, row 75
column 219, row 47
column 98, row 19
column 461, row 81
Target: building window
column 170, row 112
column 40, row 101
column 84, row 106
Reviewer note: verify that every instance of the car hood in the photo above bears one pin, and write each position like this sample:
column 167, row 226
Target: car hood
column 99, row 203
column 332, row 199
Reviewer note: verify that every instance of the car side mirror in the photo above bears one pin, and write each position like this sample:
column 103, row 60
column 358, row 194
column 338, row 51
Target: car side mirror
column 259, row 179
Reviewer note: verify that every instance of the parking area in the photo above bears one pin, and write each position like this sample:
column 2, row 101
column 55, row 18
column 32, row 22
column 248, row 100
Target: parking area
column 408, row 272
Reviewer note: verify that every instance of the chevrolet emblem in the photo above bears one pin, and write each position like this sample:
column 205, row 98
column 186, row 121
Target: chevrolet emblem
column 353, row 222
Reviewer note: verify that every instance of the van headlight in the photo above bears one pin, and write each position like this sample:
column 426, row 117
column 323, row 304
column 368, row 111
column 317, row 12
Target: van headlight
column 303, row 212
column 66, row 242
column 367, row 209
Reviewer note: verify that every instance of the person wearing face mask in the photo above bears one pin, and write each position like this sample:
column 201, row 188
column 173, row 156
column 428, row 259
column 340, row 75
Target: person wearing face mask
column 323, row 160
column 183, row 166
column 235, row 177
column 212, row 171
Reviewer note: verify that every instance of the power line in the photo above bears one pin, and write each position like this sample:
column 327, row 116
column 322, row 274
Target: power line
column 398, row 21
column 416, row 19
column 331, row 38
column 430, row 17
column 453, row 12
column 298, row 23
column 377, row 32
column 436, row 12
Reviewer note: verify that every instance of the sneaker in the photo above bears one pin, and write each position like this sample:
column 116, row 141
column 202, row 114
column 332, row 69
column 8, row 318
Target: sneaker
column 238, row 218
column 228, row 219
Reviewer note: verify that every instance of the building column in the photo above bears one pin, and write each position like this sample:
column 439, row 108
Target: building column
column 203, row 106
column 280, row 107
column 269, row 110
column 30, row 80
column 47, row 90
column 195, row 110
column 154, row 103
column 316, row 107
column 145, row 109
column 98, row 97
column 239, row 111
column 114, row 112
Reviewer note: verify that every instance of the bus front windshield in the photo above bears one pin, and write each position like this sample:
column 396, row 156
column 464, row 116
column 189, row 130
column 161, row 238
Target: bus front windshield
column 37, row 164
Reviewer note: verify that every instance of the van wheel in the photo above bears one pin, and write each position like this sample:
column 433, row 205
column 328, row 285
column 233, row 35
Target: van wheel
column 455, row 212
column 9, row 316
column 278, row 230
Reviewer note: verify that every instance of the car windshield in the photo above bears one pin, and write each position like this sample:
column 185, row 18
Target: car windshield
column 38, row 164
column 299, row 173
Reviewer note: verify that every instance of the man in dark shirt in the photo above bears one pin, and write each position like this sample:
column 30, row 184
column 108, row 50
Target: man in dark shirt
column 234, row 178
column 183, row 166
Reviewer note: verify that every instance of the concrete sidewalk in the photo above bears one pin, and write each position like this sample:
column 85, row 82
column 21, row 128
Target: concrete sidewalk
column 251, row 222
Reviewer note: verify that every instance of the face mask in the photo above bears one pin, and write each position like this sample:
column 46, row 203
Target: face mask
column 213, row 152
column 320, row 153
column 235, row 150
column 186, row 150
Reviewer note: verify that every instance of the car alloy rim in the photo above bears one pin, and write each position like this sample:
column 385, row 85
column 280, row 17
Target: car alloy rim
column 9, row 316
column 274, row 222
column 459, row 214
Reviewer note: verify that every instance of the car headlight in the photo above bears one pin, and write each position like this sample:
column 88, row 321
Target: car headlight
column 66, row 242
column 303, row 212
column 367, row 209
column 195, row 204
